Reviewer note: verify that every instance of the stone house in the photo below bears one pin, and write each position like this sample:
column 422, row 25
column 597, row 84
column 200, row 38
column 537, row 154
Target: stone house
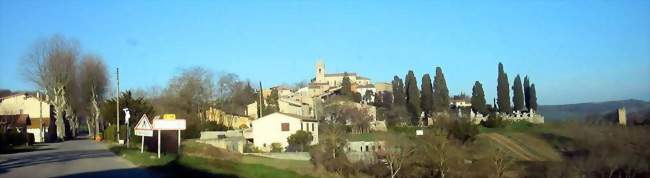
column 32, row 105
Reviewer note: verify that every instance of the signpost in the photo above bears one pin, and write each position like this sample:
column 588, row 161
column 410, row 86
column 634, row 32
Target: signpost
column 144, row 129
column 169, row 123
column 127, row 117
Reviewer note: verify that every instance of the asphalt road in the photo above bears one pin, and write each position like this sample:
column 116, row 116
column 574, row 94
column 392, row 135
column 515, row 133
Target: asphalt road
column 76, row 158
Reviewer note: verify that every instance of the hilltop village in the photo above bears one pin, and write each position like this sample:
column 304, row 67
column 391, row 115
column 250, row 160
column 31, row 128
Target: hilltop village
column 324, row 100
column 338, row 124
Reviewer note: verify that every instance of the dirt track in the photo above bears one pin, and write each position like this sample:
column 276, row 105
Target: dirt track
column 513, row 147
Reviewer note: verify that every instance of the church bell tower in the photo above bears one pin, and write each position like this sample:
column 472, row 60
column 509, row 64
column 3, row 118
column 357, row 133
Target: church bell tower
column 320, row 71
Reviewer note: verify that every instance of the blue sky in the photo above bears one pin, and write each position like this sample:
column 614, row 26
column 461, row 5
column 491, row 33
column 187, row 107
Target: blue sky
column 574, row 51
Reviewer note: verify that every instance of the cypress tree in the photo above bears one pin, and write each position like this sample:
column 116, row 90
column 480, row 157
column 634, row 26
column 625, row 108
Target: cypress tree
column 527, row 92
column 427, row 95
column 440, row 92
column 399, row 98
column 478, row 99
column 518, row 94
column 533, row 97
column 346, row 87
column 413, row 97
column 387, row 99
column 378, row 99
column 503, row 91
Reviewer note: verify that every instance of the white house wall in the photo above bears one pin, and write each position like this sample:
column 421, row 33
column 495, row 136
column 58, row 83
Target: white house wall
column 268, row 130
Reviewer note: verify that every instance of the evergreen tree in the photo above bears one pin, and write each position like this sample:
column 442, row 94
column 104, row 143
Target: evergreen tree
column 503, row 91
column 440, row 92
column 527, row 92
column 273, row 98
column 399, row 98
column 387, row 99
column 379, row 100
column 272, row 102
column 533, row 97
column 427, row 95
column 346, row 87
column 478, row 99
column 413, row 97
column 518, row 94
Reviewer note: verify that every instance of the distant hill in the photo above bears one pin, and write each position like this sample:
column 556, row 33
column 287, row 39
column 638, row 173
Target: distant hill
column 582, row 110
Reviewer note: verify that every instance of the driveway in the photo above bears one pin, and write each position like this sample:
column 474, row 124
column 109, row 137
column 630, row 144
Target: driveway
column 75, row 158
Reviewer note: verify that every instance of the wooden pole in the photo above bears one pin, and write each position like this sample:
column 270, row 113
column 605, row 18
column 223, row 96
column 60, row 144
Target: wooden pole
column 158, row 143
column 117, row 103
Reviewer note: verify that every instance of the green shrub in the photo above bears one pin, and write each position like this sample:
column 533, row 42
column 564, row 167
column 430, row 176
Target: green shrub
column 251, row 148
column 214, row 126
column 109, row 133
column 463, row 129
column 193, row 131
column 299, row 141
column 14, row 138
column 276, row 147
column 494, row 121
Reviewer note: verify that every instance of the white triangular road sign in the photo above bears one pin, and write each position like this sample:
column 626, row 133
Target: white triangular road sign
column 144, row 124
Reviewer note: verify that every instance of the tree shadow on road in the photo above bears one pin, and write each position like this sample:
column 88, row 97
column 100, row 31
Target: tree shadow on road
column 62, row 156
column 171, row 170
column 132, row 172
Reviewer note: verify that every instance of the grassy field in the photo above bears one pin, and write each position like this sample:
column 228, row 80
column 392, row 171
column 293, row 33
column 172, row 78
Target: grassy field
column 192, row 165
column 300, row 167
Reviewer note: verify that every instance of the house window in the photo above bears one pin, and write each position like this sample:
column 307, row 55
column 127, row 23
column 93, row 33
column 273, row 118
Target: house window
column 301, row 127
column 367, row 148
column 285, row 127
column 312, row 127
column 361, row 148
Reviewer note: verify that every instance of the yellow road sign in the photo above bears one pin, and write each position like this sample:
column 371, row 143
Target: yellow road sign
column 169, row 116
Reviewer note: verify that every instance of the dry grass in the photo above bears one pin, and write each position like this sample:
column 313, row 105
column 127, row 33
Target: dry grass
column 300, row 167
column 197, row 149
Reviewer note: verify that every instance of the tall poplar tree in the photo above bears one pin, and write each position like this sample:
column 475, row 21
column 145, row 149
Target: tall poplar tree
column 503, row 91
column 427, row 95
column 533, row 97
column 518, row 94
column 413, row 97
column 479, row 104
column 527, row 92
column 399, row 97
column 440, row 92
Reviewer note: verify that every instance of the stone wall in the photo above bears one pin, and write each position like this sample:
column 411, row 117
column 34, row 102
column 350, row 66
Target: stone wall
column 230, row 120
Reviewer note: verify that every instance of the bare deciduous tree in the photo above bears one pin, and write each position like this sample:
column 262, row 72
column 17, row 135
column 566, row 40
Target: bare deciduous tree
column 189, row 93
column 501, row 162
column 94, row 84
column 50, row 64
column 397, row 153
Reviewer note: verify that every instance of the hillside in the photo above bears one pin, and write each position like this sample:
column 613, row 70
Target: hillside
column 581, row 110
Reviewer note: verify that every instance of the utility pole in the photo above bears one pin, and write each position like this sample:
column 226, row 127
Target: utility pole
column 117, row 102
column 260, row 104
column 40, row 111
